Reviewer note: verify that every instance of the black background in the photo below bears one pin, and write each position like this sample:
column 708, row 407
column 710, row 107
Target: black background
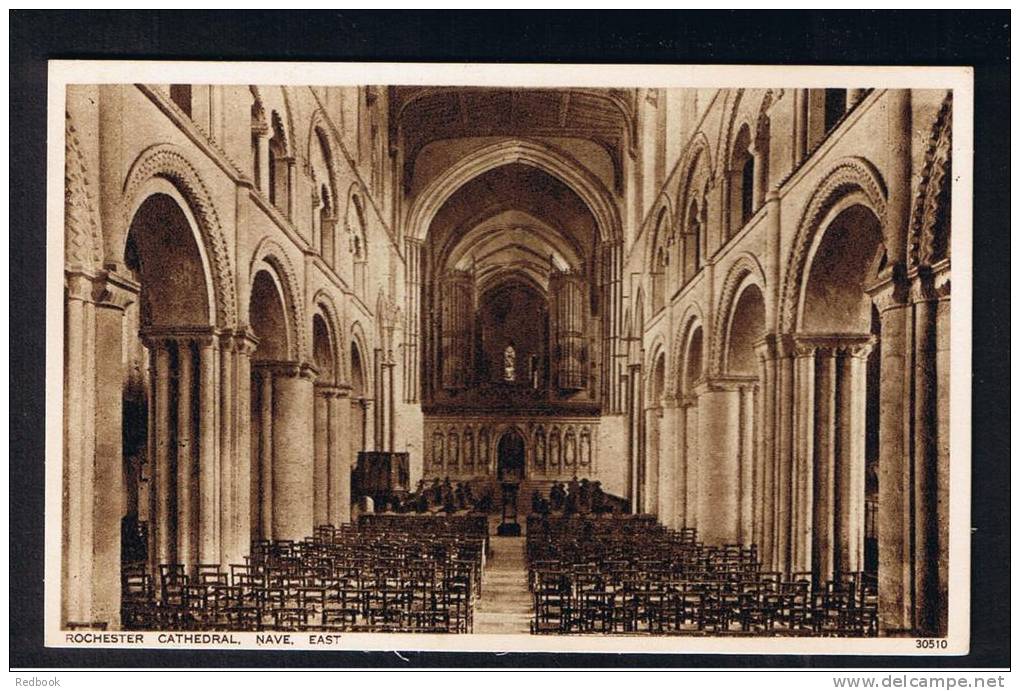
column 976, row 38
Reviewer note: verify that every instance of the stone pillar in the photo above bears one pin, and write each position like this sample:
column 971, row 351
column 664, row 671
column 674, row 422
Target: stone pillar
column 800, row 125
column 93, row 470
column 765, row 485
column 163, row 531
column 241, row 508
column 823, row 554
column 265, row 382
column 692, row 462
column 320, row 471
column 208, row 454
column 895, row 558
column 784, row 440
column 262, row 132
column 745, row 491
column 185, row 459
column 850, row 462
column 680, row 463
column 225, row 477
column 802, row 475
column 293, row 450
column 941, row 291
column 112, row 296
column 339, row 456
column 719, row 461
column 666, row 509
column 926, row 476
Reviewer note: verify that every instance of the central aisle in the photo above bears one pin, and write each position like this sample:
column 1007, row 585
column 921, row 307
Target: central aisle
column 505, row 606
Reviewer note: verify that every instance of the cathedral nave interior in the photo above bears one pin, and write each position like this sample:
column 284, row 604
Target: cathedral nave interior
column 311, row 332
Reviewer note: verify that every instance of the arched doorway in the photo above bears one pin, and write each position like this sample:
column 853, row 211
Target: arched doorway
column 510, row 457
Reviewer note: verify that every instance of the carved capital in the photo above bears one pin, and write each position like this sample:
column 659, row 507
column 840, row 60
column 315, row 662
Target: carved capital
column 891, row 290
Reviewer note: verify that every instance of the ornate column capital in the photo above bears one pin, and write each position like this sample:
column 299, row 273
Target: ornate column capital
column 834, row 344
column 104, row 288
column 286, row 368
column 891, row 290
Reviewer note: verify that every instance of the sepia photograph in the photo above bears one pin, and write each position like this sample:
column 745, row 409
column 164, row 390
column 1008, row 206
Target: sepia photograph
column 508, row 359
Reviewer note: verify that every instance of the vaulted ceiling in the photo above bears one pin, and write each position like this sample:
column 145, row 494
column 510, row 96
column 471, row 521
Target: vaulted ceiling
column 422, row 115
column 514, row 219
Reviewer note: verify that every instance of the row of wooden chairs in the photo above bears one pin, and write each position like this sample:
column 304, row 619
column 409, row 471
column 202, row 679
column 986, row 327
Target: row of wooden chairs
column 340, row 579
column 614, row 577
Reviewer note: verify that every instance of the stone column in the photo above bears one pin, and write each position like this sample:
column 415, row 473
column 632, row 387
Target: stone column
column 765, row 485
column 163, row 487
column 895, row 560
column 745, row 491
column 802, row 475
column 941, row 291
column 800, row 125
column 666, row 509
column 265, row 380
column 242, row 508
column 225, row 477
column 784, row 450
column 852, row 402
column 93, row 470
column 823, row 554
column 293, row 450
column 320, row 472
column 339, row 457
column 680, row 461
column 185, row 459
column 692, row 462
column 926, row 476
column 208, row 454
column 112, row 295
column 262, row 132
column 719, row 461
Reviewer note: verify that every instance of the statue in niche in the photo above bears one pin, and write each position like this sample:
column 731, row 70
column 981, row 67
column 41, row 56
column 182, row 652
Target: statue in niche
column 509, row 363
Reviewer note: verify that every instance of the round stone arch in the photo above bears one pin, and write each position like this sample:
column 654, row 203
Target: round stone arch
column 276, row 98
column 165, row 168
column 737, row 117
column 269, row 255
column 326, row 309
column 698, row 158
column 319, row 124
column 663, row 227
column 359, row 340
column 930, row 224
column 530, row 153
column 746, row 270
column 83, row 240
column 658, row 352
column 693, row 317
column 851, row 181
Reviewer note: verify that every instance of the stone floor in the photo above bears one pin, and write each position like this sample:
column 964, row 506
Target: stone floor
column 505, row 604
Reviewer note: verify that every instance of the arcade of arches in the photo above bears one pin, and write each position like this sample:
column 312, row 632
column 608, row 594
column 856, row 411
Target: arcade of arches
column 729, row 307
